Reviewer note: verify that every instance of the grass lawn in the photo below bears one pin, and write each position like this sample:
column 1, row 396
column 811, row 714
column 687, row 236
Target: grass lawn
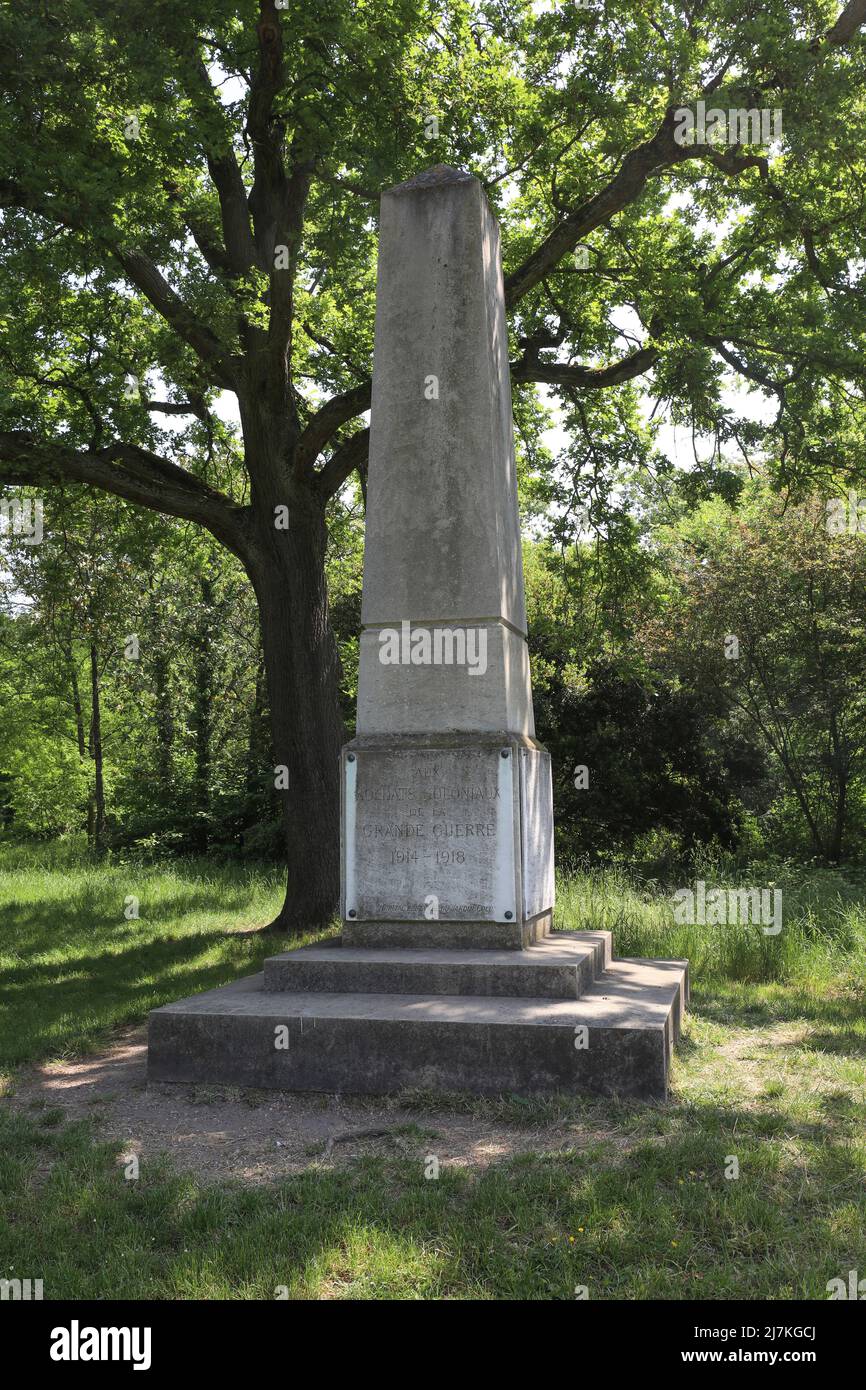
column 631, row 1202
column 73, row 965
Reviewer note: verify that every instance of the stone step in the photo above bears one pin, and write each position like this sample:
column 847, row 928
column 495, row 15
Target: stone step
column 438, row 936
column 557, row 967
column 385, row 1043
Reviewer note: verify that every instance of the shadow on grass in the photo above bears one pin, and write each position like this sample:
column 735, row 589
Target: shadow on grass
column 66, row 1004
column 74, row 966
column 780, row 1003
column 88, row 911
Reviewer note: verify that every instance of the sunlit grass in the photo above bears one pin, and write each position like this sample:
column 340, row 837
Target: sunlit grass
column 652, row 1209
column 823, row 924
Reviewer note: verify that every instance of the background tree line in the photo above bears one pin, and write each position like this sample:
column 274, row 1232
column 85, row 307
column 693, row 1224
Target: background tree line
column 699, row 669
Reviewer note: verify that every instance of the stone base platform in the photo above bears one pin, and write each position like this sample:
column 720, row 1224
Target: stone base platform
column 561, row 1015
column 555, row 968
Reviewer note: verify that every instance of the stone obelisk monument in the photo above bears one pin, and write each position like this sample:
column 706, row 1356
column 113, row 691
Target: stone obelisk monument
column 448, row 974
column 447, row 809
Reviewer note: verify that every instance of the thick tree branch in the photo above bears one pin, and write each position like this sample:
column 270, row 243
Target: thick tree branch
column 850, row 366
column 340, row 409
column 210, row 247
column 269, row 76
column 212, row 250
column 266, row 133
column 751, row 373
column 852, row 18
column 288, row 230
column 349, row 456
column 225, row 173
column 237, row 230
column 195, row 406
column 624, row 188
column 368, row 195
column 661, row 151
column 326, row 421
column 148, row 278
column 277, row 200
column 127, row 471
column 587, row 378
column 738, row 163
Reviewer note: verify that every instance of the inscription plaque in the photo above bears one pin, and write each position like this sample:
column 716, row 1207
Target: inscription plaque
column 431, row 834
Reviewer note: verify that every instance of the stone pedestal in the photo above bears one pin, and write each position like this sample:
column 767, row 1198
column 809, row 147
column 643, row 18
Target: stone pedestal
column 446, row 841
column 447, row 975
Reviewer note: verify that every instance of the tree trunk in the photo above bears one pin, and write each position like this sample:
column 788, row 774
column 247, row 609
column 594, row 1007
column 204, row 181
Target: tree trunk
column 287, row 570
column 98, row 822
column 202, row 700
column 258, row 744
column 164, row 722
column 76, row 704
column 839, row 774
column 81, row 738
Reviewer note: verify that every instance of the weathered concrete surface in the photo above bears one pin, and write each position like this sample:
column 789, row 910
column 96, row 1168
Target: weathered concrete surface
column 473, row 936
column 432, row 832
column 555, row 968
column 447, row 828
column 447, row 696
column 536, row 831
column 443, row 652
column 476, row 936
column 385, row 1043
column 443, row 539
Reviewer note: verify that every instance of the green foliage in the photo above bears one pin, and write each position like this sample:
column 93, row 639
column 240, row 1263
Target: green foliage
column 632, row 751
column 47, row 789
column 716, row 265
column 139, row 611
column 765, row 616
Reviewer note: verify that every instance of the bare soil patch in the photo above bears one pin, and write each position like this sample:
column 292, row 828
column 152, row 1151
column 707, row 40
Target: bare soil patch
column 258, row 1136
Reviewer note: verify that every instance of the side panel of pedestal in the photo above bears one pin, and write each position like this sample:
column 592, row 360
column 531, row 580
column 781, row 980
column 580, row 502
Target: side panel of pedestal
column 536, row 831
column 446, row 844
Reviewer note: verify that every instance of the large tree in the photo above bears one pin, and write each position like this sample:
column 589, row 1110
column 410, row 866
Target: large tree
column 190, row 194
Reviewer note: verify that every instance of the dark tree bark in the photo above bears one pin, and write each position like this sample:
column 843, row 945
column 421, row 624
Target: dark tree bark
column 97, row 829
column 80, row 733
column 286, row 566
column 202, row 708
column 258, row 746
column 77, row 706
